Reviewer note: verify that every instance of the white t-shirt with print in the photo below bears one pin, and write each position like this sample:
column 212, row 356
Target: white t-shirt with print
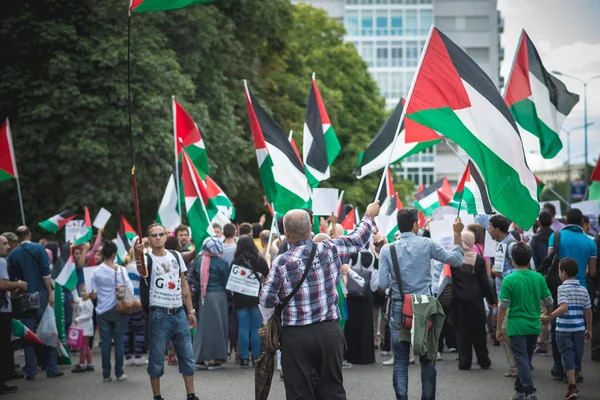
column 165, row 283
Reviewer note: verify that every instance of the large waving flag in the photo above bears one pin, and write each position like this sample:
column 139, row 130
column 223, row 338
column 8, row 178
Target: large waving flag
column 434, row 196
column 188, row 136
column 169, row 213
column 281, row 172
column 538, row 101
column 56, row 223
column 68, row 275
column 125, row 238
column 453, row 96
column 377, row 153
column 200, row 208
column 136, row 6
column 8, row 162
column 83, row 239
column 320, row 147
column 472, row 192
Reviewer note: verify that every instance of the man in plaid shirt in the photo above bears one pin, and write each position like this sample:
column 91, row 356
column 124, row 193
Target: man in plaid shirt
column 311, row 339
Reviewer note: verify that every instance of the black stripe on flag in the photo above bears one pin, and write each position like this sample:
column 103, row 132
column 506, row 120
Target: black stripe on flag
column 274, row 134
column 430, row 189
column 317, row 154
column 485, row 199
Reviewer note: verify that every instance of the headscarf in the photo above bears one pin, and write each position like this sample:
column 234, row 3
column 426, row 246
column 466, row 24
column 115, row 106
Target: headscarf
column 594, row 226
column 211, row 248
column 468, row 242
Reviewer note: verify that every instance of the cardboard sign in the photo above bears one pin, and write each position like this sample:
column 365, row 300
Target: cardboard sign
column 325, row 201
column 499, row 257
column 101, row 218
column 442, row 233
column 588, row 206
column 243, row 280
column 74, row 229
column 87, row 275
column 489, row 247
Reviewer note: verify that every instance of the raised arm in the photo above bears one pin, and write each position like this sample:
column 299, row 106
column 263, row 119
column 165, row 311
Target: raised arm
column 95, row 247
column 358, row 238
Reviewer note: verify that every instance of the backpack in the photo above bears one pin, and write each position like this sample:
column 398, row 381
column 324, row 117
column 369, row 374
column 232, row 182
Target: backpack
column 145, row 283
column 549, row 267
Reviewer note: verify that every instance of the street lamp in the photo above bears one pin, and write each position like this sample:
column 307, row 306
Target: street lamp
column 568, row 131
column 585, row 123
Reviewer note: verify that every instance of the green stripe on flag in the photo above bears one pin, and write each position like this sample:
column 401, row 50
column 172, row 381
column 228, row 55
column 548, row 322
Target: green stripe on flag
column 159, row 5
column 4, row 176
column 526, row 116
column 332, row 145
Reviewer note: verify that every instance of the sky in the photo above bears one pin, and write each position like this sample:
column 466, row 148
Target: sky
column 566, row 33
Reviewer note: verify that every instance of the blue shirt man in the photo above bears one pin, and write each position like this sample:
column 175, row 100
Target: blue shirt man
column 30, row 263
column 576, row 244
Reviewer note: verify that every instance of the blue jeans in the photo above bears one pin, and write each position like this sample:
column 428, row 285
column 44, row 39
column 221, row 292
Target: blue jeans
column 570, row 345
column 401, row 356
column 163, row 327
column 522, row 348
column 30, row 369
column 249, row 321
column 112, row 327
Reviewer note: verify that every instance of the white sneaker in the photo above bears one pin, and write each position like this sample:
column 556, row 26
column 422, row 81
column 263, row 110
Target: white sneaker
column 121, row 378
column 389, row 362
column 129, row 362
column 140, row 361
column 439, row 356
column 451, row 350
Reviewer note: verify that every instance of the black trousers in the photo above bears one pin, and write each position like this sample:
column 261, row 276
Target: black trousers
column 320, row 348
column 469, row 324
column 6, row 352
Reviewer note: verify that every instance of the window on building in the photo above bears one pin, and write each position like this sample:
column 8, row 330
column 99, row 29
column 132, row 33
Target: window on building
column 412, row 54
column 480, row 55
column 477, row 24
column 424, row 1
column 367, row 23
column 367, row 52
column 411, row 23
column 366, row 1
column 427, row 176
column 396, row 23
column 351, row 23
column 351, row 1
column 425, row 19
column 382, row 54
column 412, row 174
column 396, row 85
column 383, row 83
column 410, row 1
column 396, row 1
column 397, row 52
column 381, row 1
column 427, row 155
column 382, row 23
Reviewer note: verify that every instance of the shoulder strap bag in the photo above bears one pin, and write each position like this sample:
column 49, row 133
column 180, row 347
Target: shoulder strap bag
column 126, row 301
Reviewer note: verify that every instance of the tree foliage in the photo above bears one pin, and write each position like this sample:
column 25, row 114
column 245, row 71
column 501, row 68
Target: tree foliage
column 63, row 84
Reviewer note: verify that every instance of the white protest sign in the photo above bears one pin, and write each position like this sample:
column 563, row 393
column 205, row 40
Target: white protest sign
column 87, row 275
column 101, row 218
column 588, row 206
column 499, row 257
column 447, row 211
column 442, row 233
column 74, row 229
column 325, row 201
column 556, row 204
column 489, row 247
column 243, row 280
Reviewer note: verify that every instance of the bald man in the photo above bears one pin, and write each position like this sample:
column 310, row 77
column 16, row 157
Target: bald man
column 312, row 339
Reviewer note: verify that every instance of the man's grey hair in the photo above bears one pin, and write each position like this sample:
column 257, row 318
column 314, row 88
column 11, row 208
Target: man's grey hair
column 297, row 223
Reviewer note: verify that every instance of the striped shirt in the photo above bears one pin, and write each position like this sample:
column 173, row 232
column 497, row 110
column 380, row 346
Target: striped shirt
column 577, row 298
column 317, row 298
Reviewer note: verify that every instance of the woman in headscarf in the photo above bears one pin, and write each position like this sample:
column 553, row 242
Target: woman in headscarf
column 470, row 285
column 210, row 339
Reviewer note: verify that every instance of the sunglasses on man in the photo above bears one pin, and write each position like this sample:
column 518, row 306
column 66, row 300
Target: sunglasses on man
column 157, row 235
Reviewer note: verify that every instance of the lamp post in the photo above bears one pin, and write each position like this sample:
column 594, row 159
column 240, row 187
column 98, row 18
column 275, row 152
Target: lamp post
column 585, row 123
column 568, row 131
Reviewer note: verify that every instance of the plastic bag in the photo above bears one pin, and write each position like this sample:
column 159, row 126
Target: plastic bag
column 46, row 330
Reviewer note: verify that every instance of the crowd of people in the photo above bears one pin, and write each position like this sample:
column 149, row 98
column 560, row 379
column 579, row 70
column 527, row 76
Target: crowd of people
column 351, row 294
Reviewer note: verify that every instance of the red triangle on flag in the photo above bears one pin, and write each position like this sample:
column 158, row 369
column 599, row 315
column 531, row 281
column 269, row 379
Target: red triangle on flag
column 519, row 87
column 446, row 188
column 443, row 198
column 7, row 156
column 399, row 205
column 88, row 220
column 186, row 130
column 348, row 222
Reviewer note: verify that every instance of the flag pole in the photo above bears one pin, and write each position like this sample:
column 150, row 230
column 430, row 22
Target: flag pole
column 273, row 222
column 401, row 120
column 178, row 203
column 454, row 151
column 11, row 148
column 144, row 272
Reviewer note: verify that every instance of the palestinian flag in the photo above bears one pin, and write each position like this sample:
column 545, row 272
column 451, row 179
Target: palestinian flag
column 169, row 213
column 320, row 147
column 453, row 96
column 471, row 191
column 538, row 101
column 8, row 162
column 136, row 6
column 125, row 238
column 188, row 137
column 221, row 200
column 390, row 226
column 281, row 172
column 445, row 278
column 540, row 186
column 56, row 223
column 68, row 275
column 434, row 196
column 88, row 232
column 22, row 332
column 293, row 143
column 199, row 206
column 387, row 189
column 594, row 188
column 377, row 153
column 349, row 222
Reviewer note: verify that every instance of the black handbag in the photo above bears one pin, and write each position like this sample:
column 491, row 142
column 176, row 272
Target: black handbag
column 355, row 291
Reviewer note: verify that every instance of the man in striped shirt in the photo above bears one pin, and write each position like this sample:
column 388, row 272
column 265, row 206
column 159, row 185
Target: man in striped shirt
column 312, row 339
column 573, row 322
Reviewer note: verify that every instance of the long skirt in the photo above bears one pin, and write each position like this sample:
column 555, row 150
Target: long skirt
column 210, row 339
column 359, row 330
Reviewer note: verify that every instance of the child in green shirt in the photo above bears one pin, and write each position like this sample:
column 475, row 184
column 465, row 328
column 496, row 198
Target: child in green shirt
column 520, row 298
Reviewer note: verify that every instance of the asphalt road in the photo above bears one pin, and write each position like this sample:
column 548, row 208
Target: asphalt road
column 362, row 382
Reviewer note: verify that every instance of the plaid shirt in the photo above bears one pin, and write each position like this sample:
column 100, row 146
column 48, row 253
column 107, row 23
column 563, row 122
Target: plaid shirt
column 317, row 298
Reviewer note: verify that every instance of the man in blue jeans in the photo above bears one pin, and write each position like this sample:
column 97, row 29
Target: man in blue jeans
column 414, row 257
column 29, row 262
column 168, row 319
